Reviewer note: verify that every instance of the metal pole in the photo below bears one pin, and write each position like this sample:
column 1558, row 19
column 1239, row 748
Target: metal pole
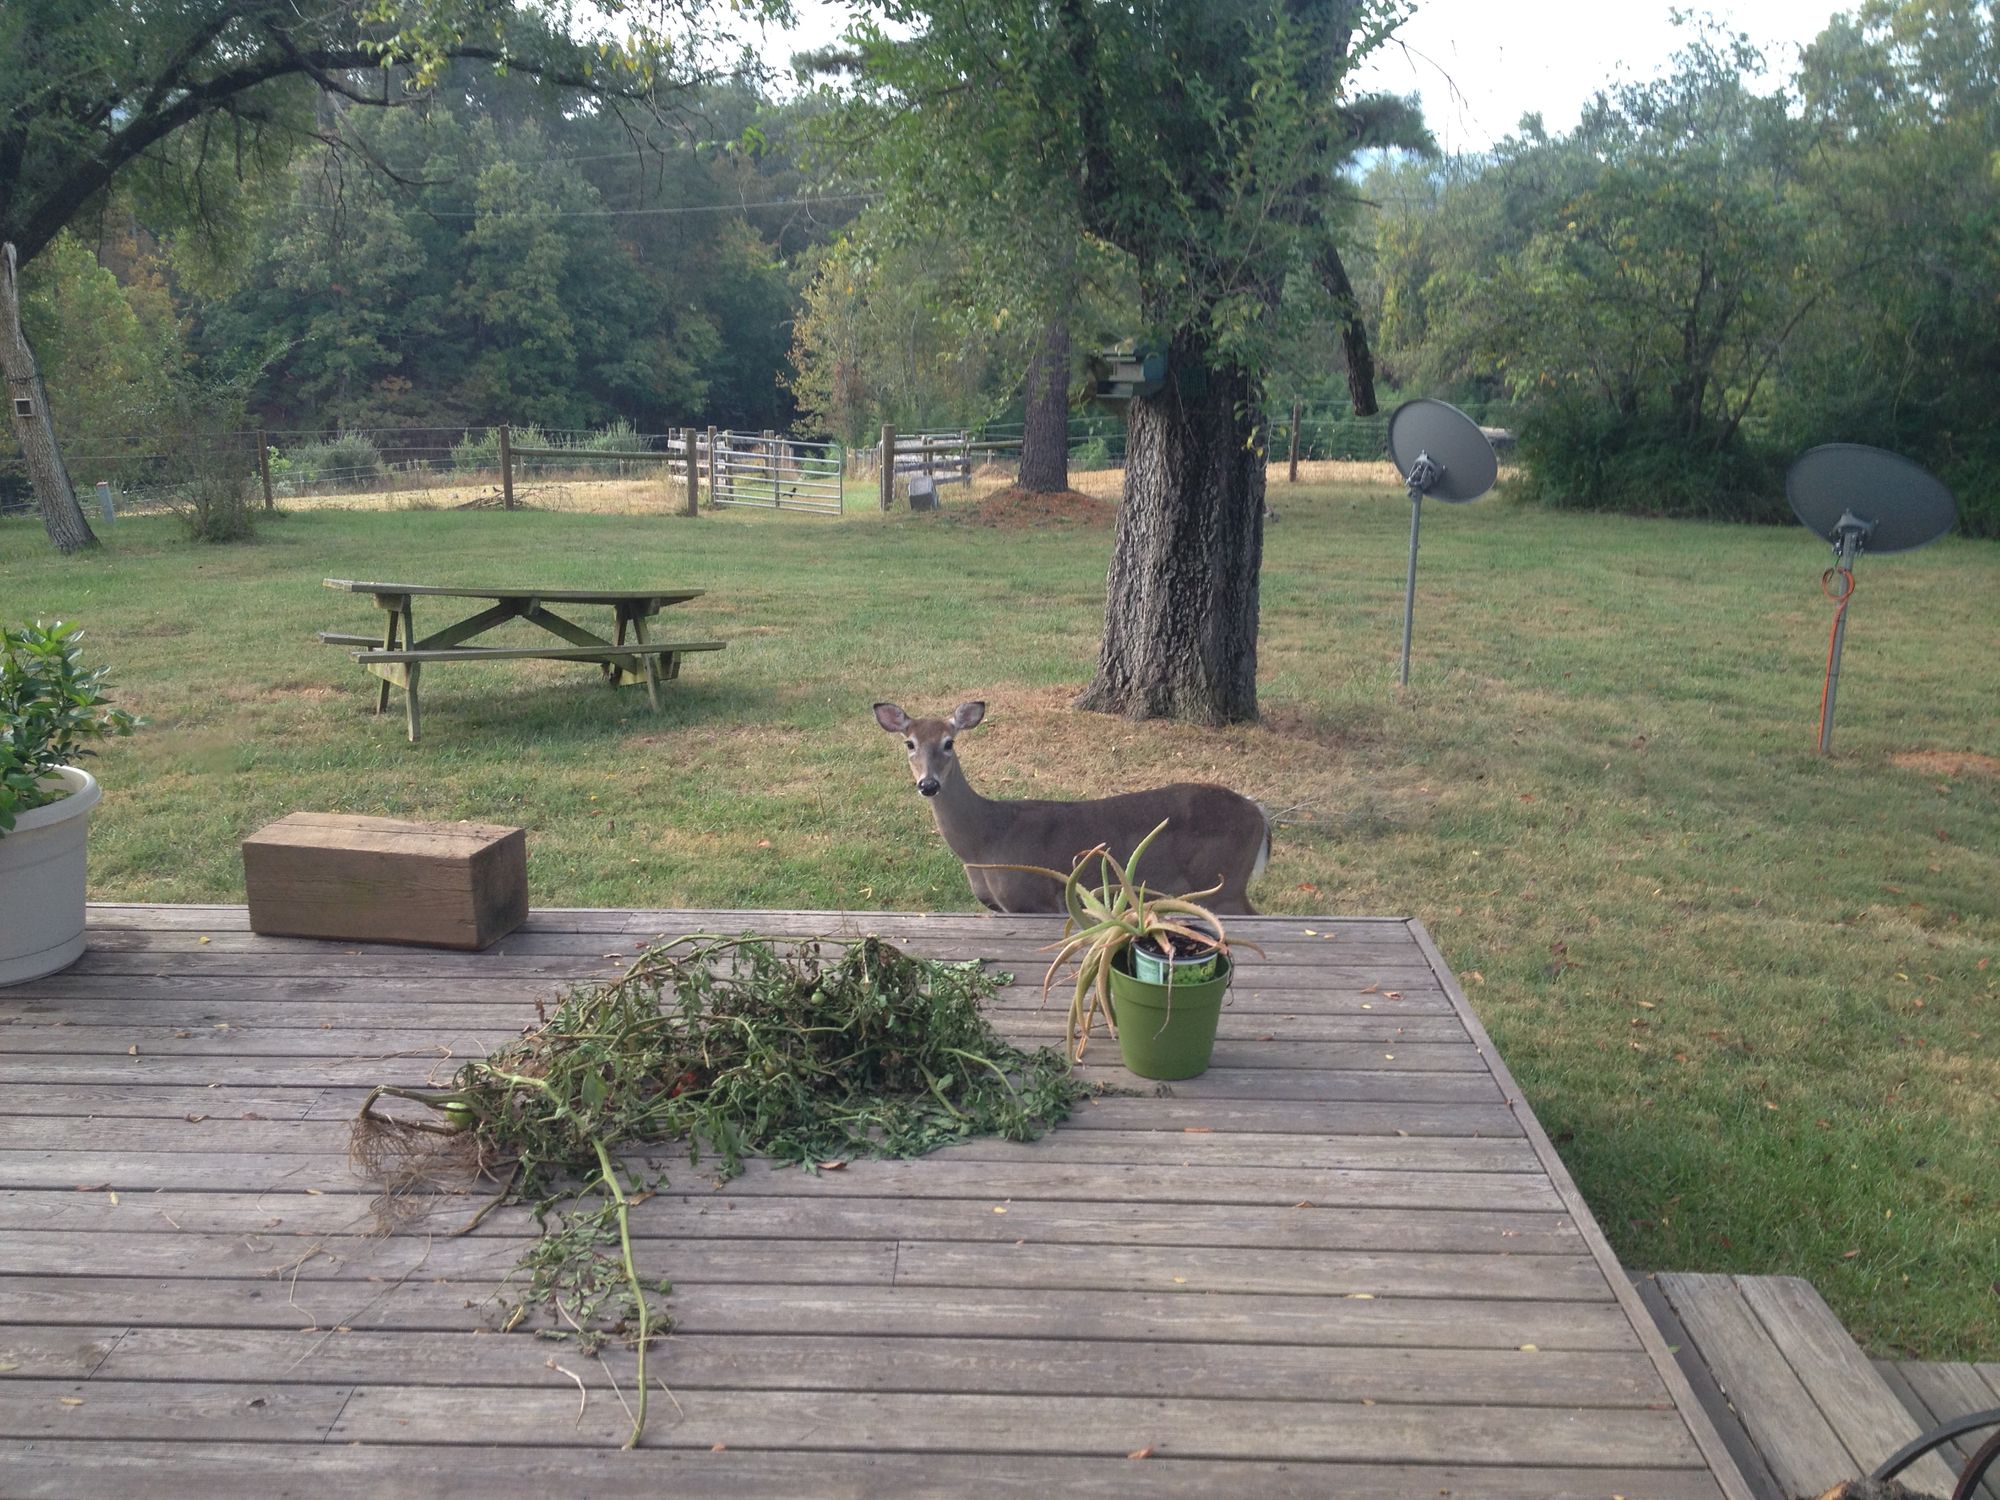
column 264, row 466
column 1410, row 587
column 506, row 470
column 1845, row 567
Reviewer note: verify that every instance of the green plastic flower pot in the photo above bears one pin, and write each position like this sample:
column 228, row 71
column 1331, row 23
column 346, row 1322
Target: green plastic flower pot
column 1167, row 1032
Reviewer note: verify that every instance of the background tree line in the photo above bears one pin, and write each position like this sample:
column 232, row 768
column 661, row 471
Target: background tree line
column 1699, row 280
column 1703, row 279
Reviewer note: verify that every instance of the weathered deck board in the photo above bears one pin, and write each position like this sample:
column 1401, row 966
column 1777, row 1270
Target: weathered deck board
column 1346, row 1260
column 58, row 1469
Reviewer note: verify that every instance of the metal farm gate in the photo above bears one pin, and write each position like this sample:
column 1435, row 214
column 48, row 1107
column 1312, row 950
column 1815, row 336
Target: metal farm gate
column 777, row 473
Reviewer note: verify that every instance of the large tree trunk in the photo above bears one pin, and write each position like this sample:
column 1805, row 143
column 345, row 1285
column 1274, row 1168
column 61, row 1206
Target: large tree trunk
column 1180, row 613
column 28, row 407
column 1045, row 435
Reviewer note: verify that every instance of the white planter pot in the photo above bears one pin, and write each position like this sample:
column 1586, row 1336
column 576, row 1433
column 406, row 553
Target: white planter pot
column 41, row 882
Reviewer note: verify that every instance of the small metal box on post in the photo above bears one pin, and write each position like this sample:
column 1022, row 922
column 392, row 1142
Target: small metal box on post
column 1132, row 375
column 888, row 466
column 506, row 471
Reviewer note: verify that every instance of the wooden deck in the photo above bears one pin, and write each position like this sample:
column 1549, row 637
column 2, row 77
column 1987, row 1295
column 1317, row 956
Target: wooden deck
column 1346, row 1261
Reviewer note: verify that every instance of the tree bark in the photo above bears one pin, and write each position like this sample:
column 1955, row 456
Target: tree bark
column 1045, row 434
column 1180, row 612
column 36, row 430
column 1353, row 332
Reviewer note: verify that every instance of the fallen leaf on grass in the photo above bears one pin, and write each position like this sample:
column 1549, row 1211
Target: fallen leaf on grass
column 1849, row 1254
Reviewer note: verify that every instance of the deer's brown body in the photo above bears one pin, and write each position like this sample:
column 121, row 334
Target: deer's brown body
column 1214, row 837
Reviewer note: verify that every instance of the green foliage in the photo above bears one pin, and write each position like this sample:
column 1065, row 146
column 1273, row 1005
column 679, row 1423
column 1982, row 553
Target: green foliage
column 108, row 349
column 1700, row 280
column 1198, row 144
column 51, row 711
column 1584, row 456
column 349, row 460
column 810, row 1053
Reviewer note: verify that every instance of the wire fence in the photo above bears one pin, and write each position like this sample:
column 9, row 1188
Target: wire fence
column 619, row 469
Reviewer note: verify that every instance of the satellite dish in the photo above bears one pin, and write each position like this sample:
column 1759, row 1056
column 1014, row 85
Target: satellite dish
column 1461, row 463
column 1439, row 451
column 1861, row 499
column 1899, row 504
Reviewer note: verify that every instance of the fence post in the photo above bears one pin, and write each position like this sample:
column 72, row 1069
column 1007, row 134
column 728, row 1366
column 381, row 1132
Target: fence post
column 888, row 466
column 1293, row 477
column 688, row 441
column 264, row 467
column 714, row 472
column 506, row 470
column 771, row 457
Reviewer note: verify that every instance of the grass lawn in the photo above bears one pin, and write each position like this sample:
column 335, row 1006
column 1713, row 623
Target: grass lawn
column 1755, row 995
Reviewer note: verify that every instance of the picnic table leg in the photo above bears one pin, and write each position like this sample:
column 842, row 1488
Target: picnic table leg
column 652, row 663
column 410, row 694
column 388, row 644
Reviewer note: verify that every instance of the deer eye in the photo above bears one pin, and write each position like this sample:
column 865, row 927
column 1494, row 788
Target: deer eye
column 909, row 744
column 947, row 744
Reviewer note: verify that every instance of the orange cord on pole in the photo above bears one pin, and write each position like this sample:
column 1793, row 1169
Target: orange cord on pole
column 1833, row 636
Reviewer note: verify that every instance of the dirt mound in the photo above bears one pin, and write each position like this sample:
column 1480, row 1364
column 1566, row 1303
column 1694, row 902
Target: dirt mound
column 1948, row 762
column 1018, row 508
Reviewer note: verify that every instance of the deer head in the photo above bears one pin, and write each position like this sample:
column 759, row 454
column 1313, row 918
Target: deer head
column 929, row 741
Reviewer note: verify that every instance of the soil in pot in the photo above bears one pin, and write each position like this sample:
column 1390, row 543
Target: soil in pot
column 1191, row 960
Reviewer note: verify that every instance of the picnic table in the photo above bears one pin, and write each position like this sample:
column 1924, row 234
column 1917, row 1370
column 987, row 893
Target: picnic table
column 398, row 655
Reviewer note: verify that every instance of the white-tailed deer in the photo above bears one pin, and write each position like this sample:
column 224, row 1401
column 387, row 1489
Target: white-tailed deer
column 1214, row 837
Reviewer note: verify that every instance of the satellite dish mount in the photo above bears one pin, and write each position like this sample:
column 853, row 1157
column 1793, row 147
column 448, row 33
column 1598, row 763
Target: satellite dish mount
column 1861, row 499
column 1439, row 451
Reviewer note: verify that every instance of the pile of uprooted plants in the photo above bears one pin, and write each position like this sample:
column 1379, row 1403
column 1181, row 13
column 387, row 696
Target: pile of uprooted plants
column 806, row 1051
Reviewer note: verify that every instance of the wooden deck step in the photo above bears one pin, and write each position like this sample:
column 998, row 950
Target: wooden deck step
column 1938, row 1393
column 1810, row 1404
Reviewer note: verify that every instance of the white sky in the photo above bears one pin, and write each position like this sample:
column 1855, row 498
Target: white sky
column 1480, row 65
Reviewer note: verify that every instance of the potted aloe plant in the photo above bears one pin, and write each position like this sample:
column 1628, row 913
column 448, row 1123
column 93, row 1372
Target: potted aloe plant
column 1165, row 1024
column 51, row 708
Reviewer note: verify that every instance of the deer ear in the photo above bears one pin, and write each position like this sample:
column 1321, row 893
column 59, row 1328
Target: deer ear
column 967, row 716
column 892, row 718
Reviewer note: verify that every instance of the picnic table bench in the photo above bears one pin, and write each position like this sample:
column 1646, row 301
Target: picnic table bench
column 397, row 656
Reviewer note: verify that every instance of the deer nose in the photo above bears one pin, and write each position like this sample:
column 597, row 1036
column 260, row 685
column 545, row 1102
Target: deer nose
column 928, row 785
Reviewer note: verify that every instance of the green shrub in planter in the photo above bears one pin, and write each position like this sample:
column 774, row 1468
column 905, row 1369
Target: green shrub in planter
column 51, row 709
